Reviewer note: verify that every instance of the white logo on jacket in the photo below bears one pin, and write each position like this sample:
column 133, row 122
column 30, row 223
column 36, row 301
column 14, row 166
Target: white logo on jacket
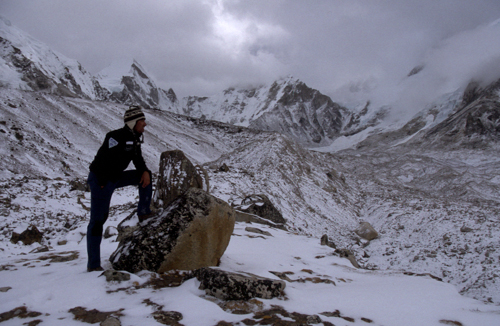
column 112, row 143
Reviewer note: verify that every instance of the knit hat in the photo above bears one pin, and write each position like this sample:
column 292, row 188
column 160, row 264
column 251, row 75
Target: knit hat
column 132, row 115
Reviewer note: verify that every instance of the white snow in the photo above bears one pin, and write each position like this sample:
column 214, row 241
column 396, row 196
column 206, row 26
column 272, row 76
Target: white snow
column 386, row 298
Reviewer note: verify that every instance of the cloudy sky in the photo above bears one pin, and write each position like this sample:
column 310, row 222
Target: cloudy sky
column 199, row 47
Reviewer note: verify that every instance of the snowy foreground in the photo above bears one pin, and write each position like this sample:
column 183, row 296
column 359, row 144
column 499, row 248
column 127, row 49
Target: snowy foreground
column 56, row 281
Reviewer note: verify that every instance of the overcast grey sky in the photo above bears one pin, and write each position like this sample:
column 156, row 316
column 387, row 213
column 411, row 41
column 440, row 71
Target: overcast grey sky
column 200, row 47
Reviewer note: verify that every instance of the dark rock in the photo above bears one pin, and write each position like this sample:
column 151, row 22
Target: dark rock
column 40, row 249
column 193, row 232
column 115, row 276
column 60, row 257
column 176, row 175
column 235, row 286
column 127, row 226
column 261, row 205
column 251, row 218
column 20, row 312
column 450, row 322
column 258, row 231
column 29, row 236
column 466, row 229
column 326, row 242
column 224, row 168
column 168, row 317
column 346, row 253
column 169, row 279
column 78, row 184
column 92, row 316
column 110, row 231
column 111, row 321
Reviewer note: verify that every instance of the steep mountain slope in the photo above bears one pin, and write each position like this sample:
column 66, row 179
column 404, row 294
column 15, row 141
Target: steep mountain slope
column 129, row 83
column 28, row 64
column 288, row 106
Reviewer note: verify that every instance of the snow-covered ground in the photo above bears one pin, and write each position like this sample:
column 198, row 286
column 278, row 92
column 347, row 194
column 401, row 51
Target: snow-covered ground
column 51, row 286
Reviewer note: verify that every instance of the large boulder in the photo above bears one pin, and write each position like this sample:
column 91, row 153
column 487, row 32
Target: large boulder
column 193, row 232
column 260, row 205
column 237, row 286
column 176, row 175
column 366, row 231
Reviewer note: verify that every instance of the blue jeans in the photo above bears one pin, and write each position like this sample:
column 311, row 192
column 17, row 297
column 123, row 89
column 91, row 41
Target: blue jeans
column 100, row 199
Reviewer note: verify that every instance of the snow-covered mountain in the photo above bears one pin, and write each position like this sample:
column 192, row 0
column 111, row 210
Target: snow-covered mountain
column 130, row 83
column 287, row 106
column 430, row 187
column 28, row 64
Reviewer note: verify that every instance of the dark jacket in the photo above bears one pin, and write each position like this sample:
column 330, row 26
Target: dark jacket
column 119, row 148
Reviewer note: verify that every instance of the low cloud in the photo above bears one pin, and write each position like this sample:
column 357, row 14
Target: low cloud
column 351, row 50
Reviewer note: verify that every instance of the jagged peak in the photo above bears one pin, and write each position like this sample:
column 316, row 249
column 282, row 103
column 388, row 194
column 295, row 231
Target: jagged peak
column 111, row 76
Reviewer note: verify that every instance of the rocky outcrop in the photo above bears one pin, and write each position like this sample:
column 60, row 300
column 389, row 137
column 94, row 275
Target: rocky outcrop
column 260, row 205
column 237, row 286
column 32, row 65
column 193, row 232
column 176, row 175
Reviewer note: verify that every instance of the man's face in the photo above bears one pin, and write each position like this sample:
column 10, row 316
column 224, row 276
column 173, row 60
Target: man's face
column 139, row 126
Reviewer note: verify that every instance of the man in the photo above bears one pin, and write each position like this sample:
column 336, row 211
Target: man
column 107, row 172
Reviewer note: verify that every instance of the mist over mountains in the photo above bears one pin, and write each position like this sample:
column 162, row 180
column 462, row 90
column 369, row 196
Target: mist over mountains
column 429, row 184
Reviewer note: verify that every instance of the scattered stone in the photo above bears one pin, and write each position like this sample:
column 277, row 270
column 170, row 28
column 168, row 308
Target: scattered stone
column 61, row 257
column 366, row 320
column 176, row 175
column 111, row 321
column 27, row 237
column 110, row 232
column 450, row 322
column 93, row 316
column 241, row 307
column 79, row 184
column 335, row 313
column 315, row 280
column 326, row 242
column 259, row 231
column 20, row 312
column 224, row 168
column 115, row 276
column 235, row 286
column 192, row 233
column 40, row 249
column 251, row 218
column 366, row 231
column 5, row 289
column 274, row 316
column 346, row 253
column 260, row 205
column 7, row 268
column 127, row 226
column 168, row 317
column 171, row 278
column 62, row 242
column 224, row 323
column 424, row 274
column 465, row 229
column 313, row 319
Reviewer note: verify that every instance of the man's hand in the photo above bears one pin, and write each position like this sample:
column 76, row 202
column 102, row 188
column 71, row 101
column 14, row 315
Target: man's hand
column 145, row 179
